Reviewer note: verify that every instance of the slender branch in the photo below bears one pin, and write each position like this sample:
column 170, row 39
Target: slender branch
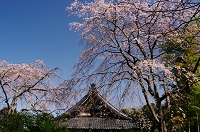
column 196, row 66
column 5, row 94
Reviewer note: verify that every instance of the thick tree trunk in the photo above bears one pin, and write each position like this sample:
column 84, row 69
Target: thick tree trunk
column 13, row 103
column 162, row 126
column 161, row 123
column 161, row 116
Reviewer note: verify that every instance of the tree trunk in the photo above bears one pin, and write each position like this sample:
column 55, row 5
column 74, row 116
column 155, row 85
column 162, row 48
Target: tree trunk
column 162, row 126
column 13, row 103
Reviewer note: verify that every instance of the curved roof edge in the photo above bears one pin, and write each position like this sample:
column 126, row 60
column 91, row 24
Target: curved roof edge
column 93, row 92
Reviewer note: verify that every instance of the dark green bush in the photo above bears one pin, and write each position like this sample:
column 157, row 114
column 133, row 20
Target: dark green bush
column 29, row 122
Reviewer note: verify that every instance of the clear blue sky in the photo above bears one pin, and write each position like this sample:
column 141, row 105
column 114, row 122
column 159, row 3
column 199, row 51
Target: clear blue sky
column 38, row 30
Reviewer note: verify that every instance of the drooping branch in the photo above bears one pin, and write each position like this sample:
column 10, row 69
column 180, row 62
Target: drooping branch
column 31, row 83
column 123, row 41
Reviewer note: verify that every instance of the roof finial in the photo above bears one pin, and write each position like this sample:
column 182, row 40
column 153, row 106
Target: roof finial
column 93, row 85
column 93, row 88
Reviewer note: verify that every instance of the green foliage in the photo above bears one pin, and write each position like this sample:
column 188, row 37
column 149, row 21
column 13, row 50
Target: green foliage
column 13, row 122
column 29, row 122
column 194, row 107
column 133, row 113
column 183, row 52
column 142, row 117
column 180, row 53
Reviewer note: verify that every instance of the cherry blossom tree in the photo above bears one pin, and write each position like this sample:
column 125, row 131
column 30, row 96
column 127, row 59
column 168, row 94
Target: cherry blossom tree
column 122, row 41
column 28, row 86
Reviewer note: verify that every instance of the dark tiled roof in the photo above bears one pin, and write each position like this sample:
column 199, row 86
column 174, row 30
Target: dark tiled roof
column 98, row 123
column 94, row 112
column 97, row 106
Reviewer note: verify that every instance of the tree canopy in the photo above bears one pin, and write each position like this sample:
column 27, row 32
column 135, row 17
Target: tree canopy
column 29, row 87
column 123, row 47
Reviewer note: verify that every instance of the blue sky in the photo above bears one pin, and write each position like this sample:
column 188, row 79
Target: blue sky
column 38, row 30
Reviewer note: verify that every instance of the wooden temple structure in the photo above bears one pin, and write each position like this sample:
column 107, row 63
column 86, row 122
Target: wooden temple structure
column 94, row 114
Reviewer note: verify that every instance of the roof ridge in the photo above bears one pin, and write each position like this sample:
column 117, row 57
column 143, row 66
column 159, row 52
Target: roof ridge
column 94, row 95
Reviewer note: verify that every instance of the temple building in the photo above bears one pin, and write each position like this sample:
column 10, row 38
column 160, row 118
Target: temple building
column 94, row 114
